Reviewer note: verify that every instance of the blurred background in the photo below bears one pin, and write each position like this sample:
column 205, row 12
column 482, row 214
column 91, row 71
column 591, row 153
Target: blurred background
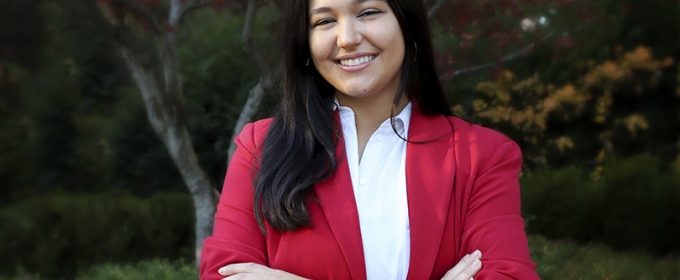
column 117, row 118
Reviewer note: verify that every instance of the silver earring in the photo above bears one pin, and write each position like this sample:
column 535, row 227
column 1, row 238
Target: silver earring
column 307, row 61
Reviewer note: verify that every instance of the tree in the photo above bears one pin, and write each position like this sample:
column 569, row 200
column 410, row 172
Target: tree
column 145, row 41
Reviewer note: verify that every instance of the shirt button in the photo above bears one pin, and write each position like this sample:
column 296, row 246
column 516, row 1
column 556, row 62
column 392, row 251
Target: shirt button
column 379, row 137
column 362, row 181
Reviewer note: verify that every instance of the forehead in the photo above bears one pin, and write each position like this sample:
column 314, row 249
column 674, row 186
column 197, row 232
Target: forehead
column 314, row 4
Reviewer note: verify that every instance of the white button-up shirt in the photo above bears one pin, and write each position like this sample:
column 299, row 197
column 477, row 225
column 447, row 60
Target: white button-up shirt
column 379, row 183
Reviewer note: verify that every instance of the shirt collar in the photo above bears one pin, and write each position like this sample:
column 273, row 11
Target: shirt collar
column 401, row 120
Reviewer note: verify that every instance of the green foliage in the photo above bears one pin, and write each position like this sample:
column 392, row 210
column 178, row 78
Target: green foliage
column 151, row 270
column 634, row 206
column 568, row 260
column 218, row 76
column 57, row 235
column 126, row 154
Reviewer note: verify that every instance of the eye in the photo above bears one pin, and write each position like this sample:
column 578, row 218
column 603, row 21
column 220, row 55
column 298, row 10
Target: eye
column 370, row 13
column 323, row 22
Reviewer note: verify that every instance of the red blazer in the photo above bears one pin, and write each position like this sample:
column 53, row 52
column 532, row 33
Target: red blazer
column 463, row 194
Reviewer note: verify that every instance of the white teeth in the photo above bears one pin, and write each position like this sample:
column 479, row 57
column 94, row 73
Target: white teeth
column 357, row 61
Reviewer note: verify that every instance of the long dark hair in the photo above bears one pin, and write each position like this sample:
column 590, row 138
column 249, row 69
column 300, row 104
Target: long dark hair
column 299, row 149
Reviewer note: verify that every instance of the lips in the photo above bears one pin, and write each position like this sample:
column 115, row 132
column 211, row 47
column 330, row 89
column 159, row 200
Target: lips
column 357, row 60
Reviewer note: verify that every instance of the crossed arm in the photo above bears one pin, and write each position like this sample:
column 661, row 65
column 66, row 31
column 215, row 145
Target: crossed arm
column 464, row 270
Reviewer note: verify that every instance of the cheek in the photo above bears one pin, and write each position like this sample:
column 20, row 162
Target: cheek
column 317, row 48
column 388, row 37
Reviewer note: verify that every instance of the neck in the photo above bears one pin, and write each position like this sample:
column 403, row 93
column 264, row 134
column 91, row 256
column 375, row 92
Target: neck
column 372, row 109
column 369, row 113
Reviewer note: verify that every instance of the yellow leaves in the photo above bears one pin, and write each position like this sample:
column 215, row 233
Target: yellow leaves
column 667, row 62
column 479, row 105
column 600, row 156
column 458, row 110
column 498, row 90
column 563, row 144
column 565, row 95
column 525, row 115
column 496, row 104
column 497, row 113
column 602, row 107
column 597, row 174
column 612, row 71
column 527, row 104
column 526, row 84
column 507, row 76
column 634, row 123
column 642, row 59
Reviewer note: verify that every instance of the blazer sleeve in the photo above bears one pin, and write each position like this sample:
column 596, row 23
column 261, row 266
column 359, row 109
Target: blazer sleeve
column 236, row 236
column 493, row 223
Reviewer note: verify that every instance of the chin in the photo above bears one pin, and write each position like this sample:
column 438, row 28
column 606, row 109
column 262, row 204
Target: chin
column 356, row 93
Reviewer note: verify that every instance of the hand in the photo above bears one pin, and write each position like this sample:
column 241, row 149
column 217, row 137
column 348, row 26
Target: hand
column 254, row 271
column 466, row 267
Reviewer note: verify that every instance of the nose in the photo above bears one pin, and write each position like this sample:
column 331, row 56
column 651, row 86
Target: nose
column 348, row 35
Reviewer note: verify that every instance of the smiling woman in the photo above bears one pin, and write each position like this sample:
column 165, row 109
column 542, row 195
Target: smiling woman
column 363, row 173
column 358, row 49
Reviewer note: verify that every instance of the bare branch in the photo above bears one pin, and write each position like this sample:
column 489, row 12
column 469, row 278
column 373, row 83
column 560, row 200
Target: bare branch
column 150, row 18
column 255, row 96
column 183, row 9
column 175, row 13
column 264, row 84
column 435, row 8
column 248, row 26
column 524, row 51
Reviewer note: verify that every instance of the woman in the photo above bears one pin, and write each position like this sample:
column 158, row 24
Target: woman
column 363, row 173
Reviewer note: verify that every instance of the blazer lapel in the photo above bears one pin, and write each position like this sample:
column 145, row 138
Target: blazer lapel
column 336, row 198
column 430, row 171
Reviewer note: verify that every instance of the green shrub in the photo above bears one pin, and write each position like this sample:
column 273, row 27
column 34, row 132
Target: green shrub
column 634, row 206
column 569, row 260
column 57, row 235
column 149, row 270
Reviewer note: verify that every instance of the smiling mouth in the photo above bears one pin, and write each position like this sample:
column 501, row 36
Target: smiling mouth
column 357, row 61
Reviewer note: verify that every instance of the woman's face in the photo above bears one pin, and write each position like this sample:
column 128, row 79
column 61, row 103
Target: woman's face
column 356, row 45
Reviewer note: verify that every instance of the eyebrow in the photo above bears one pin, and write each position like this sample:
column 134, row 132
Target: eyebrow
column 327, row 9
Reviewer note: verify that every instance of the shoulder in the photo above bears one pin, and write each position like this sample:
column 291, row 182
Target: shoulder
column 253, row 134
column 464, row 130
column 481, row 145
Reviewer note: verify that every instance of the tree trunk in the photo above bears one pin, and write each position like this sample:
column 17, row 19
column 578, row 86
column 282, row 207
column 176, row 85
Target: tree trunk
column 264, row 84
column 160, row 84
